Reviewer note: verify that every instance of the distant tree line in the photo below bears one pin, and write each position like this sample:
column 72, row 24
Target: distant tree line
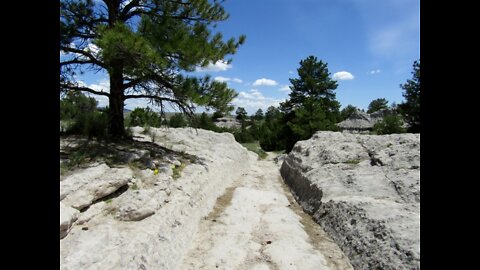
column 312, row 106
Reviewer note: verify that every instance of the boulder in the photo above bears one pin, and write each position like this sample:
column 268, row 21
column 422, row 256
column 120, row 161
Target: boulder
column 364, row 190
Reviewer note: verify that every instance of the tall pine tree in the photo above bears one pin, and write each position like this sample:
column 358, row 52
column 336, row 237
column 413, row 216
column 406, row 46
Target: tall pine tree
column 312, row 105
column 144, row 45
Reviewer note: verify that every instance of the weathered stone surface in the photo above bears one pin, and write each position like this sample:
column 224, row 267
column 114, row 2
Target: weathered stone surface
column 68, row 215
column 86, row 186
column 360, row 121
column 91, row 212
column 227, row 122
column 151, row 224
column 136, row 205
column 364, row 190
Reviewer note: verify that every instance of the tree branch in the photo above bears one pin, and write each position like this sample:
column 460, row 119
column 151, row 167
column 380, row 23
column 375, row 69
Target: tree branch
column 84, row 53
column 157, row 98
column 85, row 89
column 76, row 61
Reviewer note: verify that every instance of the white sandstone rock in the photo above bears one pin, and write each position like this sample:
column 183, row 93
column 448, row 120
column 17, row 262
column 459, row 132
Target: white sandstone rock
column 152, row 225
column 68, row 215
column 83, row 188
column 364, row 190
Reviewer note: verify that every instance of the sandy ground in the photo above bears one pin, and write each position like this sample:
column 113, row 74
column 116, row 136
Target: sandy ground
column 256, row 224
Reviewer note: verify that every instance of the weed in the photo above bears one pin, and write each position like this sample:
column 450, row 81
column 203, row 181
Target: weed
column 352, row 161
column 177, row 170
column 255, row 147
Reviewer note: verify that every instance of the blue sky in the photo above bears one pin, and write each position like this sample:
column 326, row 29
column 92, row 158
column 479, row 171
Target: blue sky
column 369, row 45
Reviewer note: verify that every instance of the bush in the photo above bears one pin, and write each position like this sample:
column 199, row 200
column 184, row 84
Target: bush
column 177, row 121
column 91, row 124
column 82, row 116
column 143, row 117
column 389, row 125
column 243, row 135
column 204, row 122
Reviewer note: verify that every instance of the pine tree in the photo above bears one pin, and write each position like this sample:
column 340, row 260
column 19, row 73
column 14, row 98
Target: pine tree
column 410, row 109
column 312, row 105
column 377, row 105
column 347, row 111
column 241, row 114
column 144, row 45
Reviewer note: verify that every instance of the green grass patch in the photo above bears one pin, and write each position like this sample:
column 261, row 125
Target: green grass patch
column 255, row 147
column 352, row 161
column 177, row 170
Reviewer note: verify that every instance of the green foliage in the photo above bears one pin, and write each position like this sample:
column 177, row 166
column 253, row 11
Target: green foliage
column 310, row 118
column 204, row 122
column 82, row 114
column 271, row 132
column 259, row 115
column 243, row 135
column 143, row 117
column 352, row 161
column 241, row 114
column 74, row 104
column 177, row 171
column 389, row 125
column 177, row 120
column 145, row 46
column 314, row 82
column 410, row 109
column 347, row 111
column 377, row 104
column 312, row 105
column 255, row 147
column 217, row 114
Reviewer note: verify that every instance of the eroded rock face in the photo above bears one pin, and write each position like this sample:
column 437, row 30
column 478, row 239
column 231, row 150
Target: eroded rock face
column 68, row 215
column 361, row 122
column 364, row 190
column 82, row 189
column 150, row 220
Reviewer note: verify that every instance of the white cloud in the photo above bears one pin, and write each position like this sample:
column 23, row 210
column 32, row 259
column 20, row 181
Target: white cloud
column 343, row 75
column 290, row 72
column 220, row 65
column 221, row 79
column 81, row 83
column 102, row 86
column 254, row 100
column 374, row 71
column 264, row 81
column 285, row 88
column 226, row 79
column 93, row 48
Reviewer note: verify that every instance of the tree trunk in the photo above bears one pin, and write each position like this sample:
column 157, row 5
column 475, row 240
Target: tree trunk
column 116, row 126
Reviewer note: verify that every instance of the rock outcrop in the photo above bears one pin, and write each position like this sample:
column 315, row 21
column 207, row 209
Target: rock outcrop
column 227, row 122
column 364, row 190
column 132, row 218
column 362, row 122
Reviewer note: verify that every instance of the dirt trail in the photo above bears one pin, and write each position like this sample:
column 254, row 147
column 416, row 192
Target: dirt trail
column 256, row 224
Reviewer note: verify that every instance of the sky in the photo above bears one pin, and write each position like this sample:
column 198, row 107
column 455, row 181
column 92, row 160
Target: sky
column 368, row 45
